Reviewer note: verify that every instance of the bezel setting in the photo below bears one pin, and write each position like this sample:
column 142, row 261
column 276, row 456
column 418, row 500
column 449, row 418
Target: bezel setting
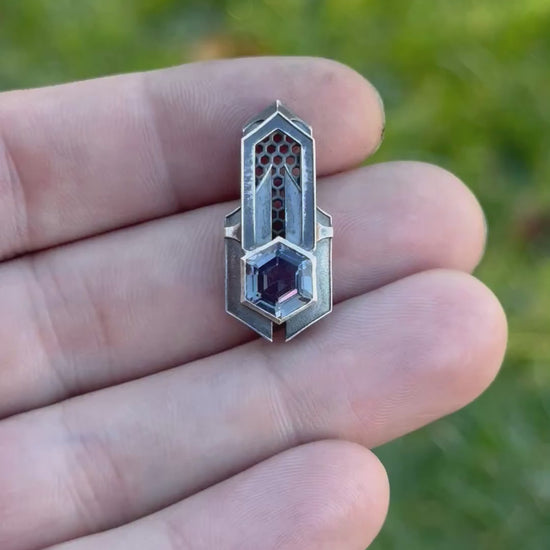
column 294, row 297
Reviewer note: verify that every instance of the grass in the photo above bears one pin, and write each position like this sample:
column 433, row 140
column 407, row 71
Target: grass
column 466, row 86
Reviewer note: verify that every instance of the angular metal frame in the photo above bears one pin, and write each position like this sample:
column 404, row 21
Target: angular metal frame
column 308, row 255
column 249, row 228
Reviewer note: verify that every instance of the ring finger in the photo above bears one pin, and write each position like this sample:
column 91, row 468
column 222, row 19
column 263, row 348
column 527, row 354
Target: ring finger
column 388, row 362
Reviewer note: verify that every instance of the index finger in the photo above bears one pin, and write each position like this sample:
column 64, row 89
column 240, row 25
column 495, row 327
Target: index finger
column 88, row 157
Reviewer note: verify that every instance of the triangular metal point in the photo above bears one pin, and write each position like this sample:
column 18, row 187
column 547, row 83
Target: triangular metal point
column 276, row 107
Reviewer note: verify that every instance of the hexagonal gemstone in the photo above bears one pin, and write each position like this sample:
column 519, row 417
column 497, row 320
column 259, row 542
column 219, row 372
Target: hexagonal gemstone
column 279, row 280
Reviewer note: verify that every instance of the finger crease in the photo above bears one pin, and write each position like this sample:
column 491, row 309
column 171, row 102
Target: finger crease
column 282, row 398
column 92, row 468
column 46, row 329
column 156, row 131
column 176, row 535
column 11, row 180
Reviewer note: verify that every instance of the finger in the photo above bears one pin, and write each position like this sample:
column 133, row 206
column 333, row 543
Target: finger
column 330, row 495
column 87, row 157
column 387, row 363
column 133, row 302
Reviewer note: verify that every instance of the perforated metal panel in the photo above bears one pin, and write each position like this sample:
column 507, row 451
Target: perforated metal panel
column 279, row 154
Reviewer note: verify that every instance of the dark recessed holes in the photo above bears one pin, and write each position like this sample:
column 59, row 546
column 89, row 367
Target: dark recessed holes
column 277, row 226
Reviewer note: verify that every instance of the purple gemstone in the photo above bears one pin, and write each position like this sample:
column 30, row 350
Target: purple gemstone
column 277, row 280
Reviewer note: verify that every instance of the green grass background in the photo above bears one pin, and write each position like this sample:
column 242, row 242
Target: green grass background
column 467, row 86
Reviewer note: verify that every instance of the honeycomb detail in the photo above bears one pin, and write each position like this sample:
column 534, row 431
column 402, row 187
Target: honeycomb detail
column 279, row 154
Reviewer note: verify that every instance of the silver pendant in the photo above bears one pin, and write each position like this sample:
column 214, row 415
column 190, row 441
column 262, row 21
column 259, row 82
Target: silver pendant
column 277, row 242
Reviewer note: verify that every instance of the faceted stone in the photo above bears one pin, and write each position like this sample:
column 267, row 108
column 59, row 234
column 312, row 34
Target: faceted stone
column 279, row 280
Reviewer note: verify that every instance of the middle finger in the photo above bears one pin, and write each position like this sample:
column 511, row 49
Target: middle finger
column 132, row 302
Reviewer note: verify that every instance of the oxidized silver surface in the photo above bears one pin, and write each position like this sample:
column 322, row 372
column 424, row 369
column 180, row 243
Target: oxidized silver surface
column 278, row 243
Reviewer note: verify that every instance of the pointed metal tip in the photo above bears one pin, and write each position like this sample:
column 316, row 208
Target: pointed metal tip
column 280, row 107
column 276, row 107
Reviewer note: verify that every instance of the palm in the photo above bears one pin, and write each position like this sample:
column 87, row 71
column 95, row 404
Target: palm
column 187, row 432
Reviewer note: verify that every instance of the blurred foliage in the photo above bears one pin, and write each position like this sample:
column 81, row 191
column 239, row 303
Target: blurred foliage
column 466, row 86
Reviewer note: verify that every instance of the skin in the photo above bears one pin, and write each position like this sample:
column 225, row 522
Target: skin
column 134, row 412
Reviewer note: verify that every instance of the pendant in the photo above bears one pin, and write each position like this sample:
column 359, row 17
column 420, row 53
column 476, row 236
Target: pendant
column 278, row 268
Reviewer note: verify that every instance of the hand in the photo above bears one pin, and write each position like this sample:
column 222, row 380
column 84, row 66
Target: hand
column 136, row 413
